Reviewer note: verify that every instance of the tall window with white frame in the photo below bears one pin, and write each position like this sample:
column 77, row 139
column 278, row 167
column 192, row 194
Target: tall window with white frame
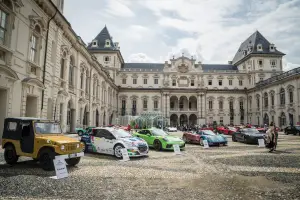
column 156, row 81
column 231, row 111
column 242, row 113
column 123, row 111
column 62, row 68
column 272, row 100
column 34, row 40
column 266, row 99
column 210, row 105
column 134, row 81
column 133, row 107
column 155, row 105
column 291, row 96
column 258, row 103
column 145, row 81
column 87, row 81
column 71, row 71
column 221, row 105
column 3, row 28
column 282, row 96
column 81, row 79
column 145, row 104
column 124, row 81
column 174, row 82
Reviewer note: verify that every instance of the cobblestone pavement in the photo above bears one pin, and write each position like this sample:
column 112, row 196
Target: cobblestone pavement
column 238, row 171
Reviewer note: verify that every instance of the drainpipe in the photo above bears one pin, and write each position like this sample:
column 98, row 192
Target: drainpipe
column 45, row 57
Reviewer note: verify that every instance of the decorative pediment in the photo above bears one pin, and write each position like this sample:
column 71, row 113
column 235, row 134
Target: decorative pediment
column 123, row 97
column 240, row 77
column 174, row 76
column 145, row 76
column 221, row 98
column 183, row 68
column 220, row 77
column 192, row 77
column 155, row 97
column 37, row 21
column 291, row 110
column 230, row 77
column 33, row 81
column 155, row 76
column 134, row 76
column 82, row 101
column 230, row 99
column 144, row 97
column 210, row 77
column 134, row 97
column 124, row 76
column 210, row 98
column 241, row 98
column 290, row 87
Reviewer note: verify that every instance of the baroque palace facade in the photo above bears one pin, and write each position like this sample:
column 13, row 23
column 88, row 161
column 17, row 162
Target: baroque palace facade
column 47, row 71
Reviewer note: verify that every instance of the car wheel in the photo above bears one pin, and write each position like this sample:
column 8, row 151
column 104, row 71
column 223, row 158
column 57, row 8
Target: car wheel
column 10, row 155
column 73, row 161
column 233, row 139
column 46, row 159
column 201, row 142
column 85, row 148
column 80, row 133
column 118, row 151
column 184, row 139
column 157, row 145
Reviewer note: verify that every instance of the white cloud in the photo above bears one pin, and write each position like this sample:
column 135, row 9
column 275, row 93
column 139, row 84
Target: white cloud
column 119, row 8
column 140, row 58
column 212, row 30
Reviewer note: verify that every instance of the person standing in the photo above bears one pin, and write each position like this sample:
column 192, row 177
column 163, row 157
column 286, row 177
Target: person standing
column 271, row 137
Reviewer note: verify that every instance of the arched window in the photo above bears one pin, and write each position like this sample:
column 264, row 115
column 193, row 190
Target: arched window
column 62, row 68
column 257, row 102
column 282, row 96
column 221, row 105
column 5, row 10
column 291, row 95
column 272, row 99
column 71, row 72
column 87, row 82
column 98, row 89
column 106, row 58
column 266, row 100
column 282, row 119
column 34, row 42
column 81, row 79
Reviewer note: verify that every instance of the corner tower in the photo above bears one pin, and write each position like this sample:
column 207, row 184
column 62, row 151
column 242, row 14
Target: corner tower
column 259, row 58
column 107, row 52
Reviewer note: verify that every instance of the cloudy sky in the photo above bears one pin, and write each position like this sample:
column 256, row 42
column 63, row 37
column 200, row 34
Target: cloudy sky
column 211, row 30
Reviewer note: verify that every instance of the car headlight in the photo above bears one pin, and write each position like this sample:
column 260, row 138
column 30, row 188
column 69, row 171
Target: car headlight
column 166, row 139
column 62, row 147
column 77, row 146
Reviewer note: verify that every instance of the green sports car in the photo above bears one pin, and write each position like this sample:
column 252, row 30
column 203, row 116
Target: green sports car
column 158, row 139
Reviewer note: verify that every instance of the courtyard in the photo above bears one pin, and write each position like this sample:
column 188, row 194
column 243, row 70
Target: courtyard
column 237, row 171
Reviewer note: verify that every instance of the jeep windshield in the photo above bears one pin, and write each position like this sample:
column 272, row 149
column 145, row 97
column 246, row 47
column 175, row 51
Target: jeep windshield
column 47, row 128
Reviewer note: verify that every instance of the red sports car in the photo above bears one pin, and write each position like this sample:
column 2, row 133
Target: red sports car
column 207, row 128
column 226, row 130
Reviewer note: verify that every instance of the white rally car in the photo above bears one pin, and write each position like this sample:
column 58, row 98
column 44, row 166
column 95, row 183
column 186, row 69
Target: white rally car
column 111, row 141
column 172, row 129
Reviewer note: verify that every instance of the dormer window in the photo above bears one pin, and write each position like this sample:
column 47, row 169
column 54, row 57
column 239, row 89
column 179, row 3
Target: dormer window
column 94, row 43
column 107, row 43
column 259, row 47
column 244, row 52
column 272, row 48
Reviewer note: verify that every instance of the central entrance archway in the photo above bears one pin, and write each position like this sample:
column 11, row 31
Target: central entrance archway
column 31, row 106
column 192, row 120
column 266, row 119
column 183, row 120
column 174, row 120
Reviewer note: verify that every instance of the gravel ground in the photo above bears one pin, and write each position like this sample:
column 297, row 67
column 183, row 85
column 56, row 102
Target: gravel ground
column 238, row 171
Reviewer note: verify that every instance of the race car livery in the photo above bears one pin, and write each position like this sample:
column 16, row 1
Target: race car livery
column 112, row 140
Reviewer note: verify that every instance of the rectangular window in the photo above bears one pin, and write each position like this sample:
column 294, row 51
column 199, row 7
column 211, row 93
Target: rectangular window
column 209, row 82
column 33, row 48
column 260, row 62
column 261, row 79
column 155, row 81
column 241, row 82
column 124, row 81
column 272, row 100
column 273, row 63
column 12, row 126
column 145, row 81
column 257, row 103
column 230, row 82
column 3, row 19
column 220, row 82
column 221, row 120
column 250, row 103
column 192, row 82
column 241, row 105
column 133, row 103
column 145, row 104
column 134, row 81
column 155, row 104
column 221, row 105
column 173, row 82
column 210, row 105
column 123, row 103
column 231, row 105
column 60, row 111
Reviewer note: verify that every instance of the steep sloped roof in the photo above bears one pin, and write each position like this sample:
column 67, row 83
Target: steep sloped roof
column 101, row 38
column 252, row 42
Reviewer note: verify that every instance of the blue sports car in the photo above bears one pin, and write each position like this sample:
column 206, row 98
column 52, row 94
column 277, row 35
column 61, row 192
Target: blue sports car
column 212, row 138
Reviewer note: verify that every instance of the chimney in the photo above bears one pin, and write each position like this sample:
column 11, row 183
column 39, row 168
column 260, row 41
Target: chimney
column 230, row 62
column 166, row 64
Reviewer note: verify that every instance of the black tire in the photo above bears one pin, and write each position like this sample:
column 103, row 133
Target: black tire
column 73, row 161
column 233, row 139
column 85, row 148
column 46, row 157
column 185, row 140
column 117, row 151
column 10, row 155
column 157, row 145
column 80, row 133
